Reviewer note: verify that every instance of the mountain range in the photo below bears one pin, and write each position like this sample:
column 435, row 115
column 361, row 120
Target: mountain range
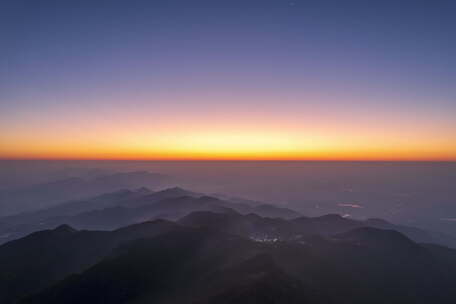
column 193, row 262
column 43, row 195
column 124, row 207
column 179, row 246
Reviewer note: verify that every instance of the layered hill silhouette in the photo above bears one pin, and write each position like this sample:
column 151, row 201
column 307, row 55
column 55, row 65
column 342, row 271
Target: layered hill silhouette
column 35, row 197
column 180, row 246
column 124, row 207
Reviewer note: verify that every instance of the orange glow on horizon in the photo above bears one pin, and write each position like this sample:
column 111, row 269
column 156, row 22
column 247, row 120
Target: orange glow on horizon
column 229, row 136
column 212, row 147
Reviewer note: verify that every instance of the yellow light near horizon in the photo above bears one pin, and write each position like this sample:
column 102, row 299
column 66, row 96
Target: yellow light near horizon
column 237, row 143
column 226, row 142
column 226, row 146
column 237, row 126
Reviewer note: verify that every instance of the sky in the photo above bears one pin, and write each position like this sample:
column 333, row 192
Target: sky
column 257, row 80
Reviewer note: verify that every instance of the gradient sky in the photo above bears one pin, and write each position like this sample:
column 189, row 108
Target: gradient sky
column 228, row 79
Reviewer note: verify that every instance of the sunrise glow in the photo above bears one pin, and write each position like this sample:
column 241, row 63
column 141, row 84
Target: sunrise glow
column 274, row 84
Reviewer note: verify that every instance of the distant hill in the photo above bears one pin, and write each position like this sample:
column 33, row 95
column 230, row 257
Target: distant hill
column 47, row 194
column 124, row 207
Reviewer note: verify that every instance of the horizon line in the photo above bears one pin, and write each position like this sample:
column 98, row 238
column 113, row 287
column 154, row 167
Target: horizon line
column 232, row 160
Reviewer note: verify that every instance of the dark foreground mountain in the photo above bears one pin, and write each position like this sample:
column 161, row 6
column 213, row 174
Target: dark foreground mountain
column 225, row 258
column 42, row 258
column 365, row 265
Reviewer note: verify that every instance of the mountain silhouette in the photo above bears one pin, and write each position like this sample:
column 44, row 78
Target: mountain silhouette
column 39, row 196
column 178, row 246
column 196, row 265
column 42, row 258
column 124, row 207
